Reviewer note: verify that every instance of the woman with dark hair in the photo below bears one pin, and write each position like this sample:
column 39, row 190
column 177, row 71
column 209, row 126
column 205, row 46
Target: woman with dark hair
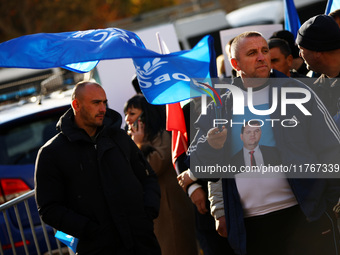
column 175, row 226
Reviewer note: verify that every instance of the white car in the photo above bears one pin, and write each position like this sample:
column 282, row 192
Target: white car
column 272, row 12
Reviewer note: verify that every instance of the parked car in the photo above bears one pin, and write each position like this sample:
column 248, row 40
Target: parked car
column 272, row 12
column 24, row 127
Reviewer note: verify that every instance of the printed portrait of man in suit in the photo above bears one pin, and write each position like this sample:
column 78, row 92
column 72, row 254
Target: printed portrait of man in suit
column 253, row 154
column 251, row 160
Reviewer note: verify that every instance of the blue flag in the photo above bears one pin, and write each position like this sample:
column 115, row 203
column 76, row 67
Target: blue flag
column 78, row 51
column 332, row 5
column 164, row 78
column 292, row 21
column 69, row 240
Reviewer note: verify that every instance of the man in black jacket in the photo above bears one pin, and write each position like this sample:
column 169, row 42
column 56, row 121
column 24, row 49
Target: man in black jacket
column 93, row 183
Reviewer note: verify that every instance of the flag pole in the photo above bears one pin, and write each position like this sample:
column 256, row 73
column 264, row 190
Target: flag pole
column 180, row 138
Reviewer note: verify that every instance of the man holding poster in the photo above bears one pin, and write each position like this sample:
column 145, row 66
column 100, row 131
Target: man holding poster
column 294, row 121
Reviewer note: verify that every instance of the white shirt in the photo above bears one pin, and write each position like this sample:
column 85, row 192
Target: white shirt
column 261, row 194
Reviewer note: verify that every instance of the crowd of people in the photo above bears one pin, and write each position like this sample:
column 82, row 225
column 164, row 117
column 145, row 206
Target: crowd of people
column 118, row 191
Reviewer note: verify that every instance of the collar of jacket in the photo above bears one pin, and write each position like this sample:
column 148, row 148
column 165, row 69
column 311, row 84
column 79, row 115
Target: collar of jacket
column 67, row 126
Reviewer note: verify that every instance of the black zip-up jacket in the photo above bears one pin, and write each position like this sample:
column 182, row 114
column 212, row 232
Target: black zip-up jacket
column 103, row 192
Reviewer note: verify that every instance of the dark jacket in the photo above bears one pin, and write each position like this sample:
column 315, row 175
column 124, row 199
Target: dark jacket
column 315, row 140
column 328, row 89
column 103, row 192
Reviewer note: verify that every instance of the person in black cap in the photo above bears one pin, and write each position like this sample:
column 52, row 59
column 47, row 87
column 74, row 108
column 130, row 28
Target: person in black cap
column 319, row 42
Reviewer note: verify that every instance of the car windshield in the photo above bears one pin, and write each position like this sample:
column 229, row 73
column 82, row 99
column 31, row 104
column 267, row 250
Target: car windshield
column 20, row 142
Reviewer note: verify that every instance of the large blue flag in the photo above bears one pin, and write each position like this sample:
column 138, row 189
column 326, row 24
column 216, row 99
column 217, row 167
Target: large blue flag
column 164, row 78
column 332, row 5
column 292, row 21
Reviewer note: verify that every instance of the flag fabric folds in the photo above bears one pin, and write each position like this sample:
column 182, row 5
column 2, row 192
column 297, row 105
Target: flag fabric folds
column 292, row 21
column 175, row 122
column 79, row 51
column 163, row 78
column 332, row 5
column 166, row 79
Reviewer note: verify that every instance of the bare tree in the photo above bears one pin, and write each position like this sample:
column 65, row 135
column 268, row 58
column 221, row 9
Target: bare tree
column 18, row 17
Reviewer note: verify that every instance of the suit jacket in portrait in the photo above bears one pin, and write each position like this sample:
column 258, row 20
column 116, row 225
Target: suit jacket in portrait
column 271, row 156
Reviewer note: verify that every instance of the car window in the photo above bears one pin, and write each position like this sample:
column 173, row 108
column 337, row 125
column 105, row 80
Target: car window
column 20, row 144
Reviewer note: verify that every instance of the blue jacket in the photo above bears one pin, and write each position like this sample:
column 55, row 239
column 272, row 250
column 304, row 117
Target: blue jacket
column 315, row 140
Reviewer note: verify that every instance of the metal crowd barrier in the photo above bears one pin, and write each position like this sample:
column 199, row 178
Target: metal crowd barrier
column 14, row 204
